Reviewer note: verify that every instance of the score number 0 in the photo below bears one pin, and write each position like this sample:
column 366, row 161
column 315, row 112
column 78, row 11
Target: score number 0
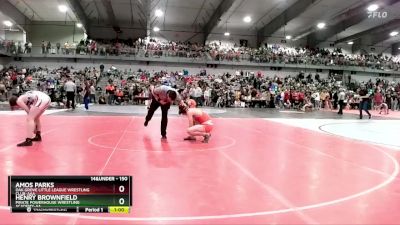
column 121, row 189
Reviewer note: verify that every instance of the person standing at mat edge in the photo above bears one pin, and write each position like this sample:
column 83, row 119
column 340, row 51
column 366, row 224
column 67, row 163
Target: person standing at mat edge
column 35, row 104
column 341, row 98
column 162, row 96
column 86, row 95
column 70, row 89
column 364, row 101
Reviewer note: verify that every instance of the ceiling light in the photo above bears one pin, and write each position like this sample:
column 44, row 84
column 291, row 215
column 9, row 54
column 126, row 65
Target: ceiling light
column 7, row 23
column 321, row 25
column 350, row 43
column 62, row 8
column 372, row 7
column 288, row 37
column 159, row 13
column 79, row 25
column 227, row 34
column 156, row 29
column 394, row 33
column 247, row 19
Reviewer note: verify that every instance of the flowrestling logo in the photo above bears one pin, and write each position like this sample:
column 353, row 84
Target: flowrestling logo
column 377, row 15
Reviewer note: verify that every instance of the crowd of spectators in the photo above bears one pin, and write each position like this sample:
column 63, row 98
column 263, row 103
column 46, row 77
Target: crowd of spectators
column 216, row 50
column 15, row 47
column 141, row 47
column 300, row 55
column 244, row 89
column 15, row 81
column 241, row 89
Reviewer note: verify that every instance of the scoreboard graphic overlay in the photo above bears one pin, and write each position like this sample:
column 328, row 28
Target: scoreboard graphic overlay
column 70, row 194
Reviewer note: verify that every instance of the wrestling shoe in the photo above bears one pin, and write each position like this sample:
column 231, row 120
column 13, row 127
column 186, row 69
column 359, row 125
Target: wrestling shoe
column 190, row 138
column 146, row 123
column 206, row 138
column 38, row 137
column 27, row 142
column 164, row 137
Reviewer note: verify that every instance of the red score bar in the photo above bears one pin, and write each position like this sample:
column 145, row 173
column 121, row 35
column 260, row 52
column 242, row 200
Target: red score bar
column 71, row 189
column 99, row 188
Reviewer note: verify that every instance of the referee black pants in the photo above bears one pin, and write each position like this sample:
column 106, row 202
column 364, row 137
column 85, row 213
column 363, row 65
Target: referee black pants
column 364, row 106
column 164, row 114
column 341, row 105
column 70, row 97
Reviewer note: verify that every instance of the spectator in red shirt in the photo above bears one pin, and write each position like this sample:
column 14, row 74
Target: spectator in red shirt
column 295, row 98
column 286, row 100
column 301, row 97
column 110, row 90
column 119, row 96
column 378, row 98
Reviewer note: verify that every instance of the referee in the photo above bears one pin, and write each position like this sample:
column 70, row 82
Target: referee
column 364, row 95
column 70, row 89
column 162, row 96
column 341, row 98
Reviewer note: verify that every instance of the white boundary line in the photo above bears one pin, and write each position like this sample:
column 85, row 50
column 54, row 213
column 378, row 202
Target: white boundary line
column 116, row 146
column 293, row 112
column 317, row 127
column 278, row 196
column 14, row 145
column 386, row 182
column 320, row 152
column 90, row 140
column 251, row 214
column 22, row 113
column 337, row 134
column 77, row 217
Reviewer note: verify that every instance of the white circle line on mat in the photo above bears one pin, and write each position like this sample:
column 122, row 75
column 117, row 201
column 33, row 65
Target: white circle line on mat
column 231, row 143
column 242, row 215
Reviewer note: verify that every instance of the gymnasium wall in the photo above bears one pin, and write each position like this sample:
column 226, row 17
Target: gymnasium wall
column 179, row 33
column 4, row 61
column 234, row 38
column 55, row 32
column 108, row 33
column 174, row 33
column 14, row 35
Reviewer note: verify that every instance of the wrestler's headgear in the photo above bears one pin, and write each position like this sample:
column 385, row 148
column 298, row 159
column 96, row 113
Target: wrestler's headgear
column 183, row 109
column 13, row 101
column 191, row 103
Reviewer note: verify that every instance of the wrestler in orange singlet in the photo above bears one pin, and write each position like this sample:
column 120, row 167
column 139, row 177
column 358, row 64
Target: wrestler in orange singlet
column 200, row 123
